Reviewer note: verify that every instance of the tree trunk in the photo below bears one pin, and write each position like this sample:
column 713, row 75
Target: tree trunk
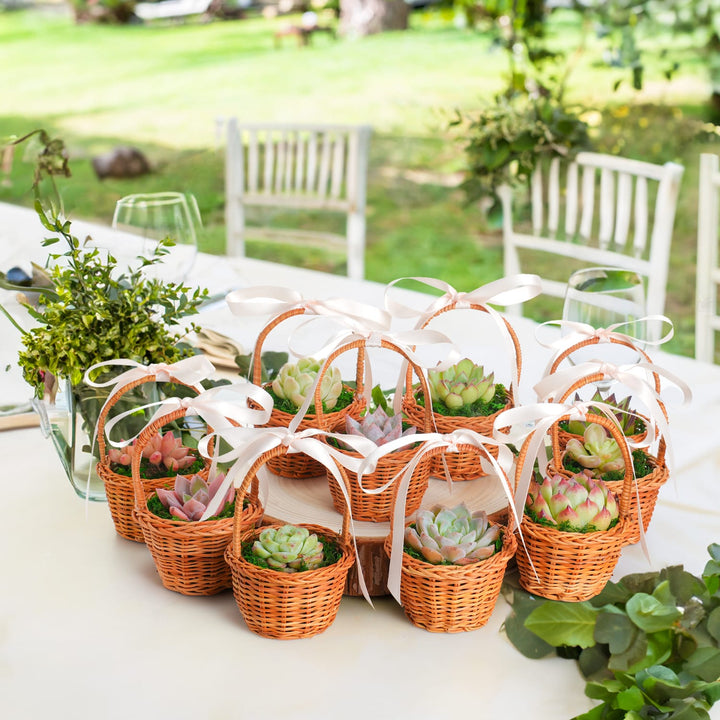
column 366, row 17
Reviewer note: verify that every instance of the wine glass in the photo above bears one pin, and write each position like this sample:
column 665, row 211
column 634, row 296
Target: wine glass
column 153, row 217
column 604, row 296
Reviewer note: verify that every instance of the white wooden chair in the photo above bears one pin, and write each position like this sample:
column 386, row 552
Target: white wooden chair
column 598, row 210
column 707, row 313
column 312, row 167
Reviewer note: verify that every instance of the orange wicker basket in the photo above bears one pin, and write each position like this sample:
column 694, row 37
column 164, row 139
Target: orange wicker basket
column 573, row 566
column 461, row 466
column 378, row 507
column 119, row 488
column 453, row 598
column 281, row 605
column 645, row 492
column 299, row 465
column 189, row 555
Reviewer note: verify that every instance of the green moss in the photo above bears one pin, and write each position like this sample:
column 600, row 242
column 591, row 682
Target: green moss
column 476, row 409
column 149, row 471
column 331, row 551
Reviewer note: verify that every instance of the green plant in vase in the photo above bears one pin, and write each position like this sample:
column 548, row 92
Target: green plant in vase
column 464, row 390
column 91, row 311
column 295, row 381
column 290, row 549
column 452, row 536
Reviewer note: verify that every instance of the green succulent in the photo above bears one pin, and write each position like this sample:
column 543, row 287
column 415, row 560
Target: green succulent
column 296, row 380
column 626, row 419
column 597, row 451
column 461, row 385
column 289, row 549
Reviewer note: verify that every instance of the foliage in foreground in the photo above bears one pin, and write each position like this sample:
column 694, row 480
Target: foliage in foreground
column 647, row 645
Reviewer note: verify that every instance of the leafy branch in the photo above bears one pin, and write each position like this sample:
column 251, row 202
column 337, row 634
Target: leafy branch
column 647, row 645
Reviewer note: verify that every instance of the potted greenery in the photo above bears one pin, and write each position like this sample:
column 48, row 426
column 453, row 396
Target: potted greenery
column 453, row 565
column 91, row 311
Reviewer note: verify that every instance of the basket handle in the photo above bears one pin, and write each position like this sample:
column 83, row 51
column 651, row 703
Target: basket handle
column 361, row 345
column 515, row 344
column 113, row 399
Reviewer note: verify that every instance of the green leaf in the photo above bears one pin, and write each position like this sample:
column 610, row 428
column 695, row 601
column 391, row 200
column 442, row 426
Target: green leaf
column 642, row 582
column 651, row 614
column 683, row 584
column 713, row 624
column 597, row 713
column 593, row 663
column 611, row 594
column 527, row 642
column 615, row 630
column 634, row 654
column 561, row 623
column 631, row 699
column 705, row 663
column 714, row 551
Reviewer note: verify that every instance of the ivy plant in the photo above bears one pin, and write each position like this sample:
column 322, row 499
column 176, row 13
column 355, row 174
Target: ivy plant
column 647, row 645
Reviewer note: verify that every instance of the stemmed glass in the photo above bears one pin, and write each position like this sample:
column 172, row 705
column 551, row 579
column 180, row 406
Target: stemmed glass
column 604, row 296
column 152, row 217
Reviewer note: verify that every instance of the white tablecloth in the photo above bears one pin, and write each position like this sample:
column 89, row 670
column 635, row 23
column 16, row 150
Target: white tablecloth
column 88, row 631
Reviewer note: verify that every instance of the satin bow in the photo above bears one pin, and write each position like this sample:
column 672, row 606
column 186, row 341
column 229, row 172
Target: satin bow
column 251, row 443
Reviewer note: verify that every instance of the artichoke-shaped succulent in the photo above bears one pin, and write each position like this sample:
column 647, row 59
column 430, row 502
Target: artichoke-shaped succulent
column 624, row 416
column 189, row 498
column 461, row 384
column 295, row 381
column 289, row 549
column 162, row 451
column 378, row 426
column 597, row 451
column 452, row 535
column 576, row 504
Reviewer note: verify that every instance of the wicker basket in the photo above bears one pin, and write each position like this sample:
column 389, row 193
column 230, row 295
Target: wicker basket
column 378, row 507
column 461, row 466
column 189, row 556
column 645, row 493
column 573, row 566
column 453, row 598
column 287, row 605
column 299, row 465
column 119, row 488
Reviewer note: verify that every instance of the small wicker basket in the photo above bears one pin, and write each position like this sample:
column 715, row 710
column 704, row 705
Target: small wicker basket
column 461, row 466
column 378, row 507
column 299, row 465
column 453, row 598
column 189, row 555
column 645, row 492
column 119, row 488
column 287, row 605
column 573, row 566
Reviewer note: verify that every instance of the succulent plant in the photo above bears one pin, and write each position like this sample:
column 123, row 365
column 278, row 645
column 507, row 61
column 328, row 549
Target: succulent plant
column 162, row 451
column 578, row 503
column 378, row 426
column 452, row 535
column 461, row 384
column 295, row 381
column 624, row 416
column 189, row 498
column 597, row 451
column 289, row 549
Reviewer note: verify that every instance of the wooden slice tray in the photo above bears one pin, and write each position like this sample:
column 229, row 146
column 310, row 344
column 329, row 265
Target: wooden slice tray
column 308, row 501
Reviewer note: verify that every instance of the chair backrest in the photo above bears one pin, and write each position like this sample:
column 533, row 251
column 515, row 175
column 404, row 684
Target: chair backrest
column 313, row 167
column 599, row 210
column 707, row 320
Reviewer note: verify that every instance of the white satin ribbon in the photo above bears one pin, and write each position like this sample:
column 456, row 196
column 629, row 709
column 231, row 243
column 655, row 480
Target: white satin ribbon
column 250, row 443
column 505, row 291
column 272, row 300
column 429, row 441
column 580, row 332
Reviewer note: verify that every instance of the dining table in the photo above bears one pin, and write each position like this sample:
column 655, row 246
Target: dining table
column 87, row 630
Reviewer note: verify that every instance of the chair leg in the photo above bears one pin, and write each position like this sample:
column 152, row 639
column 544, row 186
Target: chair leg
column 356, row 246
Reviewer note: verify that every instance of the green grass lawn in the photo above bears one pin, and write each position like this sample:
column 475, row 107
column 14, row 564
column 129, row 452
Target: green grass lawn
column 161, row 88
